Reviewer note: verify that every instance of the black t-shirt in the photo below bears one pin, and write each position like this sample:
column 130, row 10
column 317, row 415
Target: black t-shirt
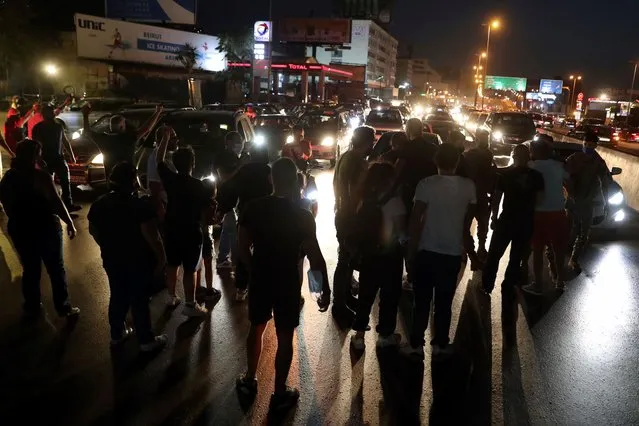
column 117, row 147
column 49, row 134
column 479, row 165
column 186, row 199
column 520, row 186
column 227, row 161
column 252, row 181
column 277, row 227
column 418, row 157
column 117, row 220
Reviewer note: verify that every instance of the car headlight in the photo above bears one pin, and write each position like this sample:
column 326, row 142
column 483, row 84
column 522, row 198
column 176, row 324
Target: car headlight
column 616, row 199
column 619, row 216
column 98, row 159
column 328, row 141
column 419, row 110
column 210, row 178
column 259, row 140
column 497, row 135
column 290, row 139
column 472, row 127
column 76, row 135
column 312, row 195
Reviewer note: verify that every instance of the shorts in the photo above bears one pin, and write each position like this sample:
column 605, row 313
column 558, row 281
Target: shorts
column 273, row 299
column 207, row 244
column 550, row 229
column 183, row 248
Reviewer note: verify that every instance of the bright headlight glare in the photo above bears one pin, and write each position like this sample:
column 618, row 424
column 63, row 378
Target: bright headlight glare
column 619, row 216
column 210, row 178
column 328, row 141
column 259, row 140
column 497, row 135
column 616, row 199
column 312, row 195
column 98, row 159
column 290, row 139
column 76, row 135
column 429, row 110
column 472, row 127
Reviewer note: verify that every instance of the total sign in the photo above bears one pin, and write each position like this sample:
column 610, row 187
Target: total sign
column 263, row 31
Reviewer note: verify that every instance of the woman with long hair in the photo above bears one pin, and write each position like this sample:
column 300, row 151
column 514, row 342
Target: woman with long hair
column 34, row 209
column 381, row 218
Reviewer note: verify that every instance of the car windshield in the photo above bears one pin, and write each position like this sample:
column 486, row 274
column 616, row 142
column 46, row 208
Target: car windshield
column 388, row 116
column 313, row 120
column 134, row 120
column 281, row 122
column 518, row 120
column 439, row 116
column 199, row 131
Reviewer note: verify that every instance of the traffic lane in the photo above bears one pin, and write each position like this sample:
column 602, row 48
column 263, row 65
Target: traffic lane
column 496, row 375
column 561, row 134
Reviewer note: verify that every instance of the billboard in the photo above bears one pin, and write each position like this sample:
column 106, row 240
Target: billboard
column 518, row 84
column 551, row 87
column 311, row 30
column 175, row 11
column 106, row 39
column 263, row 31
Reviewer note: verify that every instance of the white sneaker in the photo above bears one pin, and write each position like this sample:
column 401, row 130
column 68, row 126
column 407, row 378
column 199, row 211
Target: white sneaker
column 532, row 289
column 389, row 341
column 194, row 310
column 157, row 343
column 241, row 295
column 173, row 301
column 357, row 341
column 442, row 351
column 414, row 353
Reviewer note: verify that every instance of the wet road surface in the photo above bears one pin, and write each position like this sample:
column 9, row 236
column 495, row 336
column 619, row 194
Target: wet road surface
column 558, row 359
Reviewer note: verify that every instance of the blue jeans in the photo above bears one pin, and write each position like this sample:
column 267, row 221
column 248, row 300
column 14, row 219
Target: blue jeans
column 129, row 287
column 35, row 247
column 228, row 237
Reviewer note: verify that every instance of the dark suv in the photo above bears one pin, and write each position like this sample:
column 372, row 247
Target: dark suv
column 504, row 130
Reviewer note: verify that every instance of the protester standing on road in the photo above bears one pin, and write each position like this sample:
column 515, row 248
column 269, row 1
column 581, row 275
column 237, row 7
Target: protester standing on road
column 153, row 180
column 34, row 209
column 120, row 144
column 187, row 203
column 208, row 250
column 551, row 223
column 439, row 235
column 250, row 182
column 38, row 117
column 126, row 229
column 348, row 175
column 380, row 230
column 228, row 163
column 589, row 178
column 54, row 142
column 521, row 188
column 480, row 165
column 398, row 143
column 278, row 232
column 299, row 150
column 13, row 126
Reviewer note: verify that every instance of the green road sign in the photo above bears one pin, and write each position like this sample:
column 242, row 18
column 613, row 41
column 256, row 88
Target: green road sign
column 494, row 82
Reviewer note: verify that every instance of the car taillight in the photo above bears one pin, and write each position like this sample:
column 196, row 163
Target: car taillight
column 635, row 136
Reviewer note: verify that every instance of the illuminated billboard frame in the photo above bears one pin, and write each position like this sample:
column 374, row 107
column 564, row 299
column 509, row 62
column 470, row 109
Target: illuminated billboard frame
column 494, row 82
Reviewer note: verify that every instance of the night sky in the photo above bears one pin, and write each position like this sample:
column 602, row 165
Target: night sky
column 540, row 38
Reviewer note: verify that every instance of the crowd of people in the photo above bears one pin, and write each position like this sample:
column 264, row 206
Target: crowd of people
column 402, row 219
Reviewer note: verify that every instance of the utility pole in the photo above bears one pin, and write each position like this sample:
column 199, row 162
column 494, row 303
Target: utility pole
column 630, row 97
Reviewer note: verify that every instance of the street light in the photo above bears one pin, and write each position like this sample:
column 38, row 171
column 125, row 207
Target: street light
column 50, row 69
column 494, row 24
column 574, row 85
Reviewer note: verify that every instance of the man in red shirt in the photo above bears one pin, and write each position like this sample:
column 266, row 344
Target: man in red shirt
column 13, row 125
column 37, row 115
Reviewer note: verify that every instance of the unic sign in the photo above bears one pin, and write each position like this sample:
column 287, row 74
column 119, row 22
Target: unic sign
column 113, row 41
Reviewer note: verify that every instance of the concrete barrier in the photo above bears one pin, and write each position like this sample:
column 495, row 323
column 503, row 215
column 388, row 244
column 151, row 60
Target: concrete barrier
column 628, row 179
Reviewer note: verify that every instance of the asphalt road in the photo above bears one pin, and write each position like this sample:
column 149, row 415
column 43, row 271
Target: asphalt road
column 627, row 147
column 569, row 359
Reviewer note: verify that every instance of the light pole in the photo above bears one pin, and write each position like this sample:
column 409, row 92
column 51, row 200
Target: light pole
column 572, row 94
column 632, row 88
column 492, row 24
column 478, row 79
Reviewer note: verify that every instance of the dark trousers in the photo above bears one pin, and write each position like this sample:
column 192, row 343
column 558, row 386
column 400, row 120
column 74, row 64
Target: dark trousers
column 517, row 234
column 343, row 277
column 482, row 215
column 580, row 215
column 130, row 290
column 383, row 273
column 60, row 168
column 34, row 248
column 241, row 275
column 434, row 273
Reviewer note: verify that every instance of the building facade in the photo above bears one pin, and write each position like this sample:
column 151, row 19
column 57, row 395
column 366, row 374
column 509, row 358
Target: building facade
column 418, row 74
column 372, row 47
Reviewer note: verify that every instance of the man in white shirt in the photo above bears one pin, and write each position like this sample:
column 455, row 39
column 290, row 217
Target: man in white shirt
column 153, row 181
column 551, row 227
column 439, row 236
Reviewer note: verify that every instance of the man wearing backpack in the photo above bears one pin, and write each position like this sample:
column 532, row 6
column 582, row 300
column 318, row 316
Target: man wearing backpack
column 349, row 171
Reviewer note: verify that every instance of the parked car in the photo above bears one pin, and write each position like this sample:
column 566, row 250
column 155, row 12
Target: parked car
column 441, row 123
column 329, row 131
column 274, row 131
column 475, row 120
column 72, row 120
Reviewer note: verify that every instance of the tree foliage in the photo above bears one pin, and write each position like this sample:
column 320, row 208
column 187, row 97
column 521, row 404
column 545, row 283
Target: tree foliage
column 188, row 57
column 237, row 48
